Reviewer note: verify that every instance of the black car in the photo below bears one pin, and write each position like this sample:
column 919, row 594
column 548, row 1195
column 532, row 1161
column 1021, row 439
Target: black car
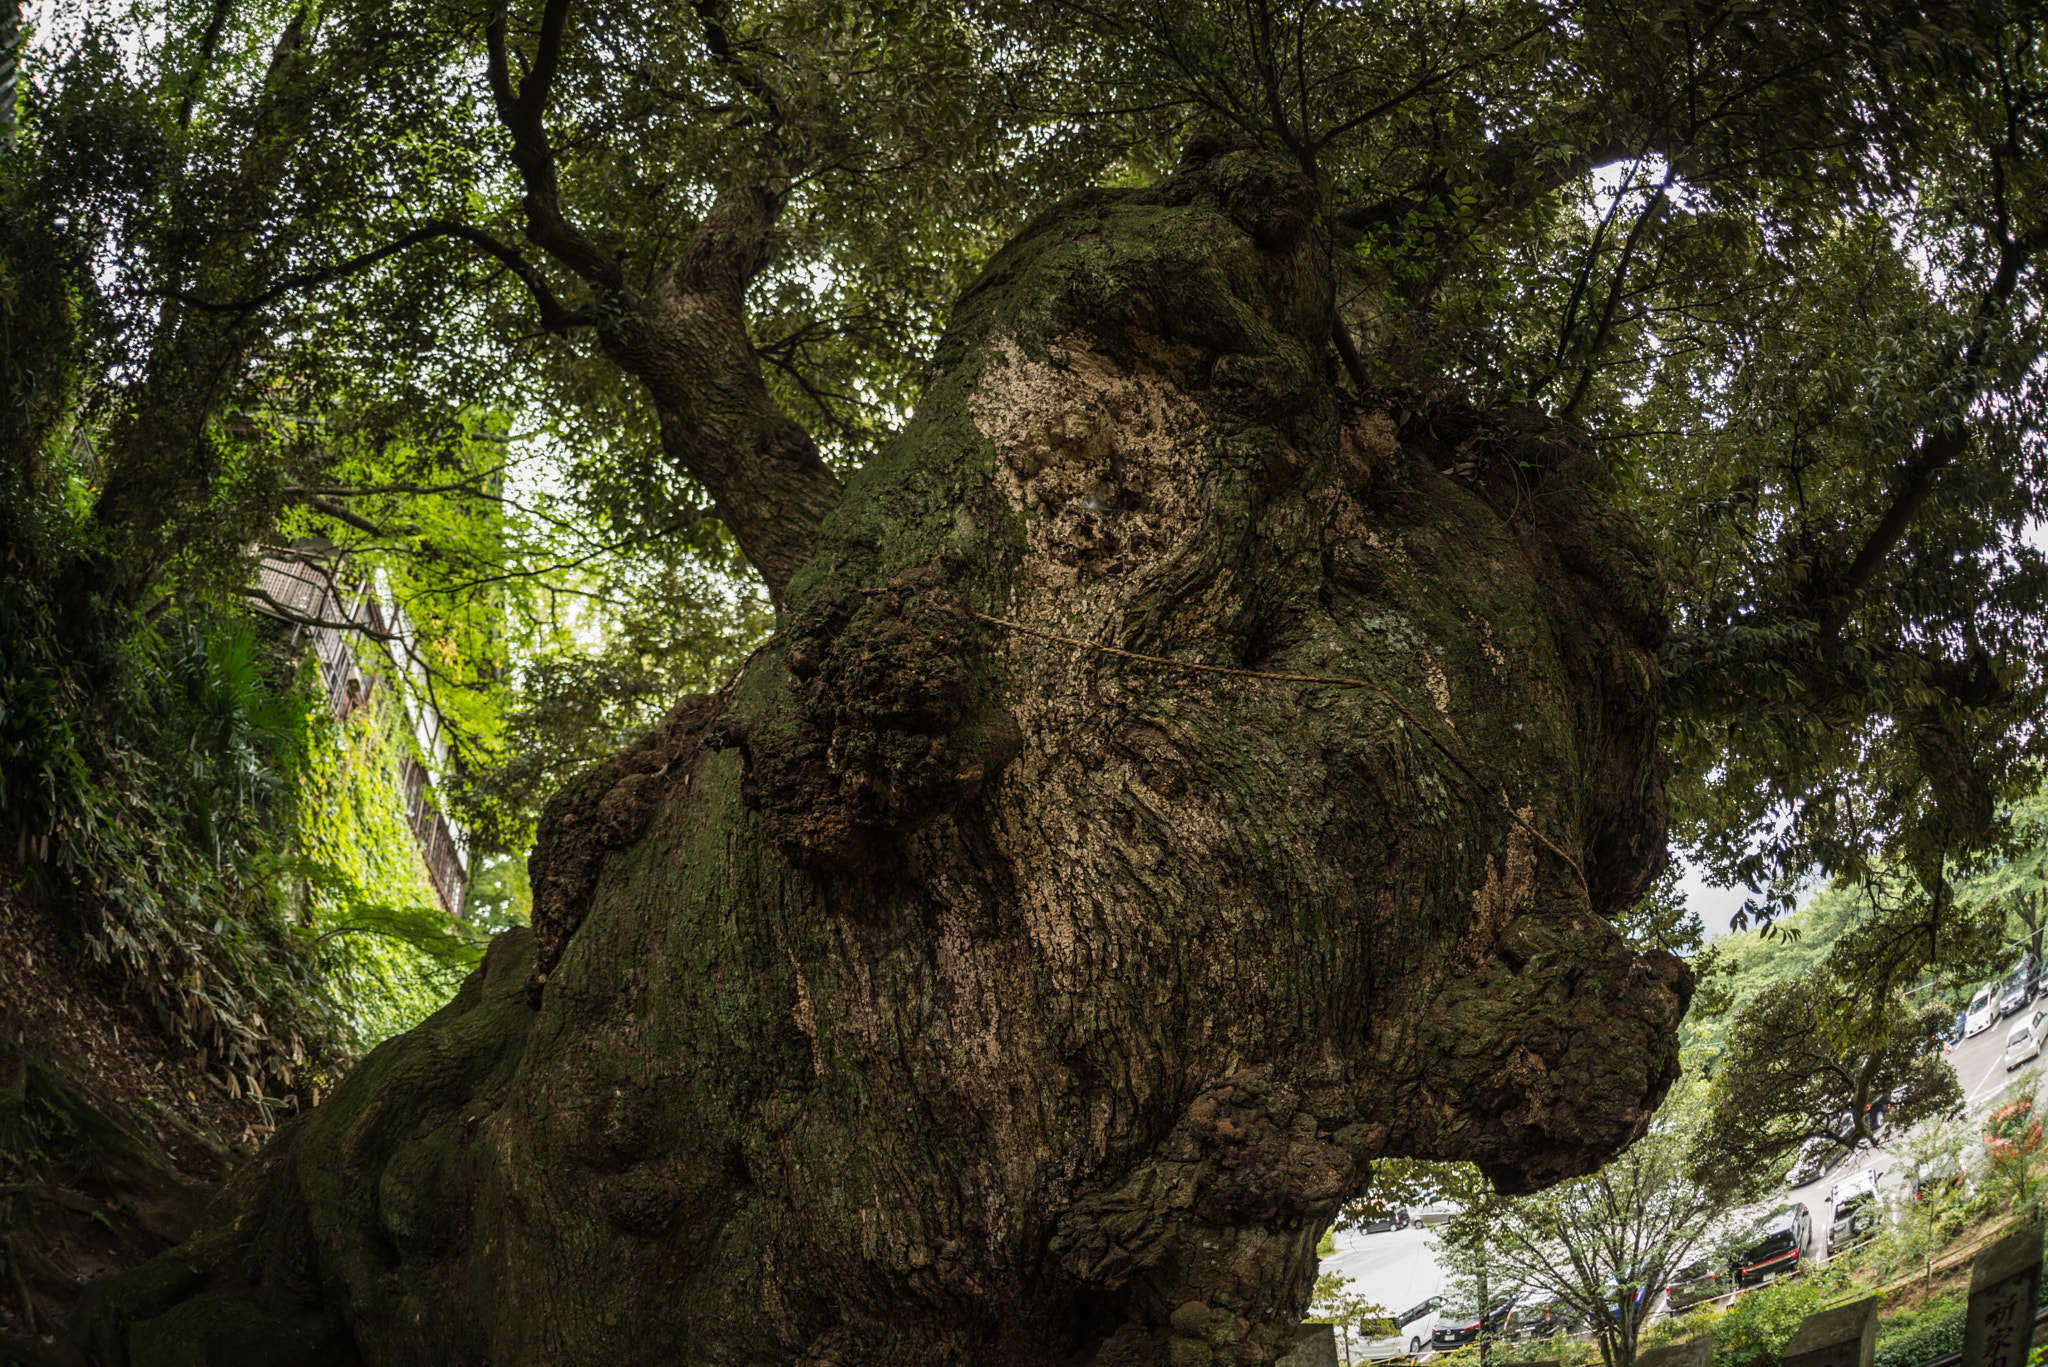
column 2021, row 987
column 1539, row 1317
column 1458, row 1326
column 1697, row 1282
column 1788, row 1234
column 1382, row 1221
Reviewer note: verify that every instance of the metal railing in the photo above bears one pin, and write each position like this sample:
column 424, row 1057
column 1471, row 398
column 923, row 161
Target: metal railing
column 336, row 620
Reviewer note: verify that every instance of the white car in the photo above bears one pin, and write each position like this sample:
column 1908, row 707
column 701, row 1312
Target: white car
column 2024, row 1042
column 1983, row 1010
column 1412, row 1333
column 1853, row 1210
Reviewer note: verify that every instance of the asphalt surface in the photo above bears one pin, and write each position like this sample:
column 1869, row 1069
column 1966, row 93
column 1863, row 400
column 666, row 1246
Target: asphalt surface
column 1399, row 1268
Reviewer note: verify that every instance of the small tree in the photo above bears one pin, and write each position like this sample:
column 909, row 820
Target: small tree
column 1604, row 1245
column 1346, row 1311
column 2012, row 1144
column 1925, row 1215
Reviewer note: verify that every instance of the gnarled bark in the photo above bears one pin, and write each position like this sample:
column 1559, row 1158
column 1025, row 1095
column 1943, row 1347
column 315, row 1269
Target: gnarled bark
column 942, row 991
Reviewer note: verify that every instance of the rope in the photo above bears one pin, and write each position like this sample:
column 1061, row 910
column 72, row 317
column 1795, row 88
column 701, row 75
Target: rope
column 1336, row 679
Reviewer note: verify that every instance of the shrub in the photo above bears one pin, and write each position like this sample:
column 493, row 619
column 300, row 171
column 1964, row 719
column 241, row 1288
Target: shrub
column 1761, row 1322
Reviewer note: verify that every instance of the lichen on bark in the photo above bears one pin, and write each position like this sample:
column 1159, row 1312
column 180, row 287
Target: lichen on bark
column 943, row 991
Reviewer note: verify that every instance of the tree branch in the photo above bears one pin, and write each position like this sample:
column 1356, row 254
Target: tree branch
column 1938, row 449
column 520, row 112
column 718, row 41
column 554, row 317
column 209, row 42
column 329, row 508
column 293, row 615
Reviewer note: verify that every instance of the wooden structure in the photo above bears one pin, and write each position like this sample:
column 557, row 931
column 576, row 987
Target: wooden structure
column 352, row 634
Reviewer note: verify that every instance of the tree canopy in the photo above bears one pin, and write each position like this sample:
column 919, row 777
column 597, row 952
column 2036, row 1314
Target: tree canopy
column 1776, row 262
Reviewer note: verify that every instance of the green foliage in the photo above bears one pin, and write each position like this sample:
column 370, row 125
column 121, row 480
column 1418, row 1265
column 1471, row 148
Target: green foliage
column 1806, row 1060
column 1932, row 1331
column 592, row 678
column 152, row 814
column 1353, row 1315
column 176, row 787
column 393, row 956
column 1748, row 961
column 1761, row 1322
column 2018, row 885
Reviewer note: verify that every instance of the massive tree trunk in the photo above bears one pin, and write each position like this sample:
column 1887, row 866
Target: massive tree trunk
column 945, row 991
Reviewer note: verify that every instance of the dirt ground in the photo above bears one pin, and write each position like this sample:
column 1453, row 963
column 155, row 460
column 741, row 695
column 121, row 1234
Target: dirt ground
column 110, row 1139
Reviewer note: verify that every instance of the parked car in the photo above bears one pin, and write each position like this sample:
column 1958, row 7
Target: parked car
column 1788, row 1236
column 1613, row 1308
column 1933, row 1176
column 1982, row 1010
column 1954, row 1034
column 1697, row 1282
column 1538, row 1316
column 1384, row 1219
column 1413, row 1332
column 1456, row 1328
column 1433, row 1210
column 1817, row 1158
column 2021, row 987
column 1854, row 1211
column 2024, row 1042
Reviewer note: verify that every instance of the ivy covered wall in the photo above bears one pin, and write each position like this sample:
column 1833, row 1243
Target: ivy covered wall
column 392, row 956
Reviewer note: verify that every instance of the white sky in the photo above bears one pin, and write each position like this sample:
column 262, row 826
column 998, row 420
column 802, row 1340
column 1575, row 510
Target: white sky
column 1715, row 905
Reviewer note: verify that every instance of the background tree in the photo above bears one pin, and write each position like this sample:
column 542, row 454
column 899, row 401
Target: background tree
column 1805, row 1061
column 1929, row 1209
column 2018, row 886
column 1603, row 1247
column 1352, row 1315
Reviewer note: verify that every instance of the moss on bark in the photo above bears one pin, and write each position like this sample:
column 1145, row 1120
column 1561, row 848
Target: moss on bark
column 943, row 992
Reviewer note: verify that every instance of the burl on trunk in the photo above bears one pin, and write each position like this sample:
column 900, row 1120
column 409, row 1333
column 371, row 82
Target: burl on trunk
column 940, row 992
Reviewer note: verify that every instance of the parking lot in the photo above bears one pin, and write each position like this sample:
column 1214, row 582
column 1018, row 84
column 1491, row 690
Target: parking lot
column 1399, row 1268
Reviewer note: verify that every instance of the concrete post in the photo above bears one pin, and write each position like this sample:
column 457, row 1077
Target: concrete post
column 1315, row 1345
column 1692, row 1353
column 1845, row 1336
column 2005, row 1286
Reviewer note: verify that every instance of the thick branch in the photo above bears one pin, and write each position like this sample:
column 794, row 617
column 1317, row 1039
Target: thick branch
column 718, row 41
column 1940, row 448
column 209, row 42
column 520, row 111
column 687, row 341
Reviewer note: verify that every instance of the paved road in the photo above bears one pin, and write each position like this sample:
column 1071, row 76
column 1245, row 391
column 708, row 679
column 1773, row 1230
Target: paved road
column 1399, row 1268
column 1396, row 1269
